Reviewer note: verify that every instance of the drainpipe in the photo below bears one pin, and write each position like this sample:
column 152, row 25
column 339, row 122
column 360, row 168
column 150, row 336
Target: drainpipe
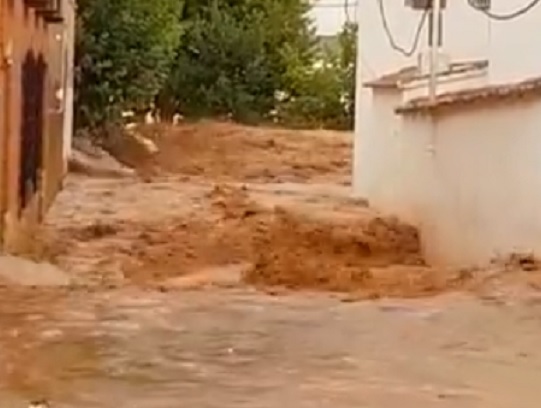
column 5, row 100
column 435, row 15
column 69, row 55
column 358, row 100
column 3, row 133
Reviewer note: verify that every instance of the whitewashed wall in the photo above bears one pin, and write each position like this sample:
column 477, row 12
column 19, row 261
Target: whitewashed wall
column 511, row 46
column 466, row 37
column 471, row 181
column 514, row 45
column 375, row 156
column 466, row 34
column 450, row 83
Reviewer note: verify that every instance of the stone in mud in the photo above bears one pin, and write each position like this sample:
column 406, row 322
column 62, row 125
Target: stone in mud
column 24, row 272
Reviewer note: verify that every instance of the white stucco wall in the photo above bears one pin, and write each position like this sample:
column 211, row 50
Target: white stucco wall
column 471, row 181
column 377, row 126
column 363, row 113
column 451, row 83
column 375, row 155
column 514, row 44
column 466, row 34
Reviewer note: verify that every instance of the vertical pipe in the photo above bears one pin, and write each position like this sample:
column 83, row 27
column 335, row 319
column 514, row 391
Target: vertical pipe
column 358, row 69
column 434, row 49
column 3, row 127
column 68, row 127
column 440, row 30
column 359, row 108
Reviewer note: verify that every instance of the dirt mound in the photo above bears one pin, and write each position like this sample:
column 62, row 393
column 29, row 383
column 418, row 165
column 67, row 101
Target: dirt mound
column 231, row 152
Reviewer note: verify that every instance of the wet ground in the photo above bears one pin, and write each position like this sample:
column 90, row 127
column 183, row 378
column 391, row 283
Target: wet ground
column 161, row 316
column 240, row 348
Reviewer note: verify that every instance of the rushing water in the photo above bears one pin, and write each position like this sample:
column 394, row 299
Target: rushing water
column 207, row 349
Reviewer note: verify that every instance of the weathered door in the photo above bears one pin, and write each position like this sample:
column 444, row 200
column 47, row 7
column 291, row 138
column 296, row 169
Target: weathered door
column 4, row 124
column 32, row 128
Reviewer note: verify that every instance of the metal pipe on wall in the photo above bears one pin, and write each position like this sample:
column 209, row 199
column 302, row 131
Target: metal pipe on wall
column 435, row 17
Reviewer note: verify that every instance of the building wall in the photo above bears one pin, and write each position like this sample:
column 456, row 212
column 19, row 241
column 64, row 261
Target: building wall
column 471, row 181
column 23, row 33
column 363, row 117
column 466, row 34
column 376, row 155
column 511, row 41
column 375, row 152
column 451, row 83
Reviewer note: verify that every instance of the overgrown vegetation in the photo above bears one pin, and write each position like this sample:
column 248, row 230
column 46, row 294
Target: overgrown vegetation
column 251, row 60
column 323, row 94
column 125, row 49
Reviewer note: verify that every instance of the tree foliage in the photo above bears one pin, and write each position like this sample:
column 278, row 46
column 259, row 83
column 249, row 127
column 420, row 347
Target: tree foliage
column 234, row 55
column 252, row 60
column 124, row 52
column 323, row 94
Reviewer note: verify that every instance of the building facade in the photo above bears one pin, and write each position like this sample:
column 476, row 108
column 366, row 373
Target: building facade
column 36, row 77
column 462, row 167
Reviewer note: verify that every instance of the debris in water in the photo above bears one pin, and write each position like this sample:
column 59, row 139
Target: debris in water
column 39, row 404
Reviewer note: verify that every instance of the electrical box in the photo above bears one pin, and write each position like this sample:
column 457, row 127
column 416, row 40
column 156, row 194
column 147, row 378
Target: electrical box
column 424, row 4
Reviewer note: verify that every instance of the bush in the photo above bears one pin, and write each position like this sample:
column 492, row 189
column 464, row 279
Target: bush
column 324, row 94
column 249, row 60
column 124, row 52
column 231, row 61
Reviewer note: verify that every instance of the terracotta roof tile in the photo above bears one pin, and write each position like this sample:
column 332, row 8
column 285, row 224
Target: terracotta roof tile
column 490, row 93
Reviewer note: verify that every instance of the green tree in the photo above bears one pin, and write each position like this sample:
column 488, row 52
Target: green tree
column 234, row 56
column 348, row 69
column 124, row 52
column 323, row 94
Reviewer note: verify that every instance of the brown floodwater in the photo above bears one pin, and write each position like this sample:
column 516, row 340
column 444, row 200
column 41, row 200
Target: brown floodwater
column 238, row 348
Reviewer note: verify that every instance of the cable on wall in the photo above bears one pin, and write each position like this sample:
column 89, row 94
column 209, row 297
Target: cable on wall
column 347, row 7
column 392, row 41
column 346, row 11
column 505, row 17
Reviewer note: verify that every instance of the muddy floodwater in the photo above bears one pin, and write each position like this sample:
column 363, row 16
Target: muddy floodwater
column 238, row 348
column 238, row 271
